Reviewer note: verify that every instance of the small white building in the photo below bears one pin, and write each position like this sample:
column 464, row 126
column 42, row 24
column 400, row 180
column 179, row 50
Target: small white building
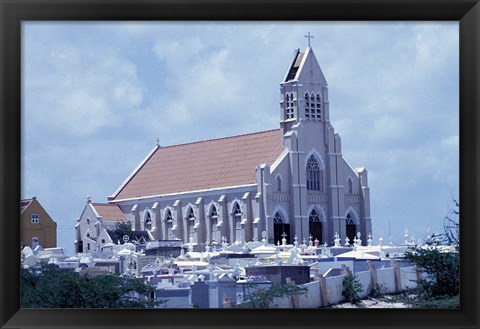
column 93, row 224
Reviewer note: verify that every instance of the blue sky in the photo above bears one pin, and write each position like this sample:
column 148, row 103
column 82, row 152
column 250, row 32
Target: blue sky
column 96, row 96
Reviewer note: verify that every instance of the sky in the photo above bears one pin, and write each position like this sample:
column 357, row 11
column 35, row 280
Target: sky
column 97, row 95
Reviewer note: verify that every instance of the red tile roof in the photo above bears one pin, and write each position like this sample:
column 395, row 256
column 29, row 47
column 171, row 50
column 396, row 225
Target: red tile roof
column 109, row 212
column 215, row 163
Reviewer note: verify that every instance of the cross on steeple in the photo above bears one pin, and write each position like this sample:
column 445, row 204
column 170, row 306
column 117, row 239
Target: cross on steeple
column 308, row 36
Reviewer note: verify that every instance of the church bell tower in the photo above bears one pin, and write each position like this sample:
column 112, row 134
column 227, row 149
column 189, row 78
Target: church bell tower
column 303, row 92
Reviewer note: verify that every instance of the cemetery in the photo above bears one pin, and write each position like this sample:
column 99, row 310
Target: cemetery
column 228, row 275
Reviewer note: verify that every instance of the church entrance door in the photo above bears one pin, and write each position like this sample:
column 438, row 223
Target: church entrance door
column 278, row 230
column 351, row 228
column 316, row 231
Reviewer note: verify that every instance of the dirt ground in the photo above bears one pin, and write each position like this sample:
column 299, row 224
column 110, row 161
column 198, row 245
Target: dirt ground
column 382, row 302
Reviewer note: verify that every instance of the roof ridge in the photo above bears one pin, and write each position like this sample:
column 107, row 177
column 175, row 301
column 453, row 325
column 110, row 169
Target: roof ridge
column 219, row 138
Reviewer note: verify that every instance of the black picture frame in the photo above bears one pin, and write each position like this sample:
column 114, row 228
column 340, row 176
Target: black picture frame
column 13, row 12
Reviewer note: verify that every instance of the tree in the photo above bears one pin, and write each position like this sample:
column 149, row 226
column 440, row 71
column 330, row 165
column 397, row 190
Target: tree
column 122, row 229
column 47, row 286
column 442, row 267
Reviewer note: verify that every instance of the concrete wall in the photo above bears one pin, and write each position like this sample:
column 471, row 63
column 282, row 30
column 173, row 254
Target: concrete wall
column 386, row 280
column 408, row 277
column 334, row 289
column 390, row 280
column 365, row 279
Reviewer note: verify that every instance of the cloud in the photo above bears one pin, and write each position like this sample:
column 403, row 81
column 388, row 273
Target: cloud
column 77, row 88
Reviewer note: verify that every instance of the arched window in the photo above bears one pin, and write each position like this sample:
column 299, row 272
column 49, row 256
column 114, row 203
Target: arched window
column 148, row 221
column 237, row 215
column 350, row 185
column 279, row 183
column 168, row 225
column 313, row 216
column 307, row 106
column 190, row 222
column 318, row 107
column 215, row 233
column 237, row 221
column 314, row 175
column 289, row 108
column 277, row 219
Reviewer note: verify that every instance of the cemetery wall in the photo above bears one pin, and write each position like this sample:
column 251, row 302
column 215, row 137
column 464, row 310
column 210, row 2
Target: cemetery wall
column 365, row 279
column 386, row 280
column 408, row 277
column 334, row 289
column 312, row 298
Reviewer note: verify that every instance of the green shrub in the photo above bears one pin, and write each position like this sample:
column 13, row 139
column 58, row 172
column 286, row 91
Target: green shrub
column 351, row 288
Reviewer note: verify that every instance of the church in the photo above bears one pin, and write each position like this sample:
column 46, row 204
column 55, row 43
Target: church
column 288, row 182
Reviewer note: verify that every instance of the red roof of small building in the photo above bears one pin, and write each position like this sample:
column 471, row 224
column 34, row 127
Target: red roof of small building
column 216, row 163
column 109, row 212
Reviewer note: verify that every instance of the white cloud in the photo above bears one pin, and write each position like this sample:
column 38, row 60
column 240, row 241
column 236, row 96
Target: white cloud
column 79, row 89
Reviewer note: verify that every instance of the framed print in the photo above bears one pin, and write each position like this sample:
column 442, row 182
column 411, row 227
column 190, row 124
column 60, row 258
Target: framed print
column 149, row 139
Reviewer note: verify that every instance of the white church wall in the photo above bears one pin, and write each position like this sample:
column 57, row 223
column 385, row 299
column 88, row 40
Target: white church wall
column 86, row 223
column 199, row 202
column 281, row 196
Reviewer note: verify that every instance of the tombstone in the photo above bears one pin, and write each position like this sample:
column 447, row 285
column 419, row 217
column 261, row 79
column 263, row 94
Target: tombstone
column 336, row 239
column 264, row 238
column 359, row 241
column 284, row 241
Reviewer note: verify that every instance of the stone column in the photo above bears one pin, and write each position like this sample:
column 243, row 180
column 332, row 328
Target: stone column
column 157, row 219
column 396, row 271
column 177, row 229
column 323, row 291
column 200, row 221
column 373, row 274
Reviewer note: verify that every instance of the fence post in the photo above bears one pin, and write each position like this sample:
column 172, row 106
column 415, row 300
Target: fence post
column 396, row 271
column 227, row 302
column 294, row 297
column 323, row 290
column 373, row 275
